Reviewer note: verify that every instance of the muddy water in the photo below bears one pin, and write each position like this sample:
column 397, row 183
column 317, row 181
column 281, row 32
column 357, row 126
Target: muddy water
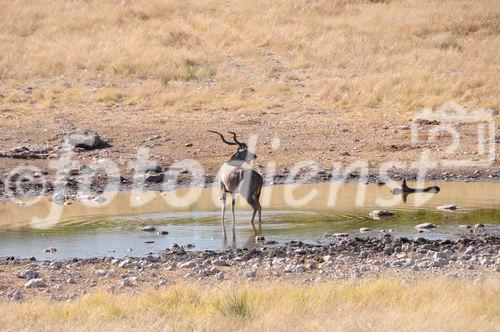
column 300, row 212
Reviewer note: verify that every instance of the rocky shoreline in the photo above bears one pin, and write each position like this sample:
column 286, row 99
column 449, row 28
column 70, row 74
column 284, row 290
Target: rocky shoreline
column 475, row 256
column 30, row 184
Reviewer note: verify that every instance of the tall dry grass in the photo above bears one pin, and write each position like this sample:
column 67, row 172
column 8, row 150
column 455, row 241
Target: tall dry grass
column 435, row 304
column 349, row 54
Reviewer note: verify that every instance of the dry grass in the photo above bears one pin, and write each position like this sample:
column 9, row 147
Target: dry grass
column 385, row 304
column 349, row 54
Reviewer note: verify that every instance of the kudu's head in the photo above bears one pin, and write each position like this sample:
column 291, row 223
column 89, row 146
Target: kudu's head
column 242, row 154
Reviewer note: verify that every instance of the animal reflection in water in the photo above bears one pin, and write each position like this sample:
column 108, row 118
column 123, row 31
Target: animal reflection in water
column 236, row 177
column 405, row 190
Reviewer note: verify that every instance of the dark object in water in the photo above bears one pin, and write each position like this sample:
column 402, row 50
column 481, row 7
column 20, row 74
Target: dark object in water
column 405, row 189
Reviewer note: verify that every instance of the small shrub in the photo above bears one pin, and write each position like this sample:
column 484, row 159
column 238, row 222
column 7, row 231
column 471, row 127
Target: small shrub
column 450, row 44
column 234, row 306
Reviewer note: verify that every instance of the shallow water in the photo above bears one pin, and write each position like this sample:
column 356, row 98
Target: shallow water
column 114, row 228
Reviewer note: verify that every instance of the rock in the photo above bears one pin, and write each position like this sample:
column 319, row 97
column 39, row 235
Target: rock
column 58, row 198
column 71, row 281
column 478, row 226
column 404, row 127
column 426, row 225
column 188, row 264
column 51, row 250
column 149, row 229
column 16, row 296
column 464, row 226
column 340, row 234
column 124, row 263
column 447, row 207
column 28, row 274
column 156, row 178
column 35, row 283
column 220, row 262
column 99, row 199
column 219, row 276
column 260, row 239
column 162, row 233
column 377, row 214
column 55, row 265
column 250, row 274
column 328, row 259
column 129, row 282
column 100, row 273
column 85, row 139
column 364, row 229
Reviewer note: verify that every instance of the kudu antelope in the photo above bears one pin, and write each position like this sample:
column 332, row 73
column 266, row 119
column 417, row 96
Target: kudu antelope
column 235, row 178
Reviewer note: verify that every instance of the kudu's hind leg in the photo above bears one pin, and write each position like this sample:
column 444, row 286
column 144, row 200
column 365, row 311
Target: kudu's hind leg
column 256, row 207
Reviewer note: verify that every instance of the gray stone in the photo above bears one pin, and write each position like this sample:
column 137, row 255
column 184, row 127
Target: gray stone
column 188, row 264
column 426, row 225
column 219, row 276
column 250, row 274
column 149, row 229
column 85, row 139
column 376, row 214
column 28, row 274
column 35, row 283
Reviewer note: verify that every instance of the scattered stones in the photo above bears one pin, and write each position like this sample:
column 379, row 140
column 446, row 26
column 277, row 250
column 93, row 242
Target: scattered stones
column 51, row 250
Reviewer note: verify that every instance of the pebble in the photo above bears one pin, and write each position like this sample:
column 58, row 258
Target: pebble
column 28, row 274
column 364, row 229
column 426, row 225
column 220, row 276
column 375, row 214
column 149, row 229
column 188, row 264
column 35, row 283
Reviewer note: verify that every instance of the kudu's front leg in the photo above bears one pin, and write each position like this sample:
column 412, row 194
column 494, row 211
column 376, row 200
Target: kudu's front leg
column 223, row 200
